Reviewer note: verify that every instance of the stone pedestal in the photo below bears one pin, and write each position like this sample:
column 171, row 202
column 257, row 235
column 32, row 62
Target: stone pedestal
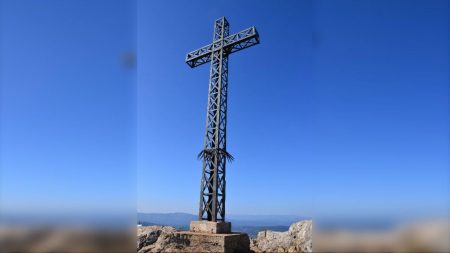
column 187, row 241
column 210, row 227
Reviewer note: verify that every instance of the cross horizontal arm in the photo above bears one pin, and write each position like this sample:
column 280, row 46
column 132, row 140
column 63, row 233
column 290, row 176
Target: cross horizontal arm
column 233, row 43
column 199, row 56
column 241, row 40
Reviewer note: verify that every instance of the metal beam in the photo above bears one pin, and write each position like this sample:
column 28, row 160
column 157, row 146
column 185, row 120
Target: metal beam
column 233, row 43
column 214, row 153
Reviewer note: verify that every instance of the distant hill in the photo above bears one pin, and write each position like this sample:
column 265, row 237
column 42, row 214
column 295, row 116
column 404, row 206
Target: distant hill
column 176, row 220
column 250, row 224
column 265, row 220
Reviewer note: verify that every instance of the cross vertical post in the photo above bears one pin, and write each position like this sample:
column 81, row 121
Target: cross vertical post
column 214, row 153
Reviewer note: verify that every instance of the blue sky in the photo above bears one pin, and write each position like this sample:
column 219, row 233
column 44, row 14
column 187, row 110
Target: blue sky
column 67, row 106
column 341, row 110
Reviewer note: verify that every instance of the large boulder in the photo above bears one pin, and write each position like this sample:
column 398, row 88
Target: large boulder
column 154, row 238
column 297, row 239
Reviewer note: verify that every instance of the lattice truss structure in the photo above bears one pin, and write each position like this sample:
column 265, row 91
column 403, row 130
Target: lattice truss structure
column 214, row 154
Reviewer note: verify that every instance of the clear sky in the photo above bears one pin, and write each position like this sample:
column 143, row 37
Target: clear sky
column 67, row 106
column 341, row 110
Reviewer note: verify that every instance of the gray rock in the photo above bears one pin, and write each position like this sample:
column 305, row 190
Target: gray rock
column 154, row 238
column 297, row 239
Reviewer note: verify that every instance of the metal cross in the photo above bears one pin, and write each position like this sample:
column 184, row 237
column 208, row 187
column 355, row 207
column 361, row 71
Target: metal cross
column 214, row 154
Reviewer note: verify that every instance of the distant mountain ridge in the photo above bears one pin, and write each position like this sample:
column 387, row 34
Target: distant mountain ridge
column 176, row 220
column 183, row 219
column 250, row 224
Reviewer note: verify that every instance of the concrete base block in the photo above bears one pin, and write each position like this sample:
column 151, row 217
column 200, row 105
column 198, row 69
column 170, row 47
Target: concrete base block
column 205, row 242
column 210, row 227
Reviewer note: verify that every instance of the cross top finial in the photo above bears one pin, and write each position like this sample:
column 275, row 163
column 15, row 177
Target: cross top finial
column 222, row 18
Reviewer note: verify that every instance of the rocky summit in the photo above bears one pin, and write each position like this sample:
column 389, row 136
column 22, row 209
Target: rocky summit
column 166, row 239
column 155, row 238
column 297, row 239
